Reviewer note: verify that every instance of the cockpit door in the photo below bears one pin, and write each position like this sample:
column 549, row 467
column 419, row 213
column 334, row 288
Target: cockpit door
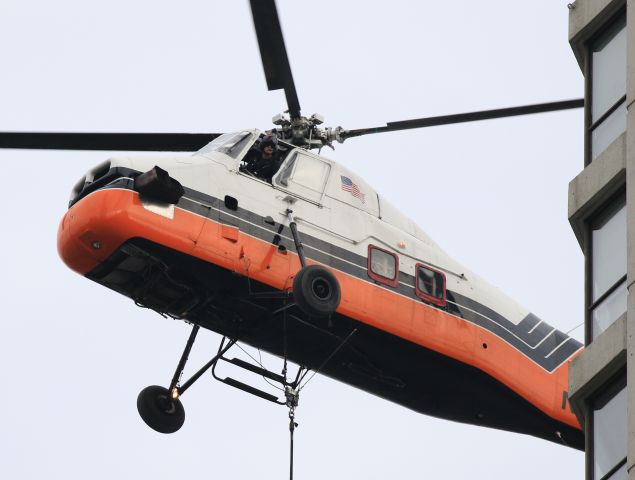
column 303, row 175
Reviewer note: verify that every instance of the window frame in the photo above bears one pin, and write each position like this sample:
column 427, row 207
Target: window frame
column 591, row 125
column 439, row 302
column 296, row 189
column 380, row 278
column 237, row 155
column 602, row 214
column 608, row 392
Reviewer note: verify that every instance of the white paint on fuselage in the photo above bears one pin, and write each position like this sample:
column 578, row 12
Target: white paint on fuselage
column 337, row 217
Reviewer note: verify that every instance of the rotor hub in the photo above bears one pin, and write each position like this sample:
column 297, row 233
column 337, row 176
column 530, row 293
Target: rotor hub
column 305, row 131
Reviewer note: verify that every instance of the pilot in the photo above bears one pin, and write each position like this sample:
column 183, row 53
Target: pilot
column 264, row 162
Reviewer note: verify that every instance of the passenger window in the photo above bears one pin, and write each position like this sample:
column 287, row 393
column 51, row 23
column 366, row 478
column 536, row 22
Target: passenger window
column 430, row 285
column 383, row 266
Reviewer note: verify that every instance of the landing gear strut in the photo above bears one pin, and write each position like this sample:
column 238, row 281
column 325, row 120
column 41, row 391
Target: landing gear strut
column 159, row 407
column 316, row 292
column 162, row 410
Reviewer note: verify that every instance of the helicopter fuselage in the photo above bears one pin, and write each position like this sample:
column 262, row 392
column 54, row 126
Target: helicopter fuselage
column 430, row 335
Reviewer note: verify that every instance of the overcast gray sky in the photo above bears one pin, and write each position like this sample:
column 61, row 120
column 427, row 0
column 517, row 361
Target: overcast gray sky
column 74, row 355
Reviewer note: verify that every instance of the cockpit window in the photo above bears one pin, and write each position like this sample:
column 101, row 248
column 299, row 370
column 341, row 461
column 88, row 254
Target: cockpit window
column 304, row 175
column 283, row 179
column 231, row 144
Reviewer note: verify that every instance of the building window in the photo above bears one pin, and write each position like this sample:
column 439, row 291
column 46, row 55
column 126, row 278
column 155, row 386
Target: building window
column 610, row 427
column 430, row 285
column 383, row 266
column 608, row 267
column 608, row 86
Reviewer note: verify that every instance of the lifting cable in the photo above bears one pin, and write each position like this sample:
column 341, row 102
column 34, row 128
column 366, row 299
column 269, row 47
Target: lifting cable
column 292, row 402
column 343, row 342
column 284, row 339
column 292, row 391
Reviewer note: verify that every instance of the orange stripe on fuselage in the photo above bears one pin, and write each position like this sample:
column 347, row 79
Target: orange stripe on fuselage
column 113, row 216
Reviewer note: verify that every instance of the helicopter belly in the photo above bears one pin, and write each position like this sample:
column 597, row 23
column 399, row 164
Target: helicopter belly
column 374, row 359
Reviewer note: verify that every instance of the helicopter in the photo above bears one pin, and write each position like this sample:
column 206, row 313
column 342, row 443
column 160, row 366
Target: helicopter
column 368, row 371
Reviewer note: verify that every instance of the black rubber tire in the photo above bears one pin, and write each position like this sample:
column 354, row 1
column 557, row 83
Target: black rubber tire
column 159, row 411
column 316, row 291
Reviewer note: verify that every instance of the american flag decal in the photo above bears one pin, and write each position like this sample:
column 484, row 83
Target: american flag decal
column 349, row 186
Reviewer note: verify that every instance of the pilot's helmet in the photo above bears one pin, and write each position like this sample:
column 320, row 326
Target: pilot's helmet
column 269, row 141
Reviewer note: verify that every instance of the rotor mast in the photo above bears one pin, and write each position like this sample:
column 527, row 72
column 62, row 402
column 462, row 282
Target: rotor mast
column 306, row 131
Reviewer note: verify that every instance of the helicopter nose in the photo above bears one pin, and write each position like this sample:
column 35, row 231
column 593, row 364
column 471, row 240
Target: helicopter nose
column 91, row 229
column 71, row 249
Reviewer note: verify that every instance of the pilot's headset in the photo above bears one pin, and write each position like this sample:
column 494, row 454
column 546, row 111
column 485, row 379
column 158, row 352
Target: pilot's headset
column 269, row 140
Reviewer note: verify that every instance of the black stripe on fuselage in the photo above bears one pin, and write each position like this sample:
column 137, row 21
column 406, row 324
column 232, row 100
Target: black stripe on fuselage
column 543, row 344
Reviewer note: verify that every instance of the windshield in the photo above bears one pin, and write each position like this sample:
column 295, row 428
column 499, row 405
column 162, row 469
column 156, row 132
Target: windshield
column 229, row 143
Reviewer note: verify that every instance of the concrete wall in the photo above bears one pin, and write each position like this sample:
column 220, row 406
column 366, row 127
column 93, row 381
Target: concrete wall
column 611, row 172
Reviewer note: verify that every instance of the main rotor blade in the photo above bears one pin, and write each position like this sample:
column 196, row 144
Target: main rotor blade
column 273, row 52
column 468, row 117
column 166, row 142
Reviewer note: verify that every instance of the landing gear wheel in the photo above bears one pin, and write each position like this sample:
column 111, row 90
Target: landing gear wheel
column 159, row 411
column 316, row 291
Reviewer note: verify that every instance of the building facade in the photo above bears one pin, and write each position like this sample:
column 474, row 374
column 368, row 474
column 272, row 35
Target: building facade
column 602, row 36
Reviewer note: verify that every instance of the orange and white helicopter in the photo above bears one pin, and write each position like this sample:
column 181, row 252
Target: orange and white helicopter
column 311, row 265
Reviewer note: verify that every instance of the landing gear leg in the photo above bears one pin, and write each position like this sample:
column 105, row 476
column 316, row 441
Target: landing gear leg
column 160, row 408
column 179, row 369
